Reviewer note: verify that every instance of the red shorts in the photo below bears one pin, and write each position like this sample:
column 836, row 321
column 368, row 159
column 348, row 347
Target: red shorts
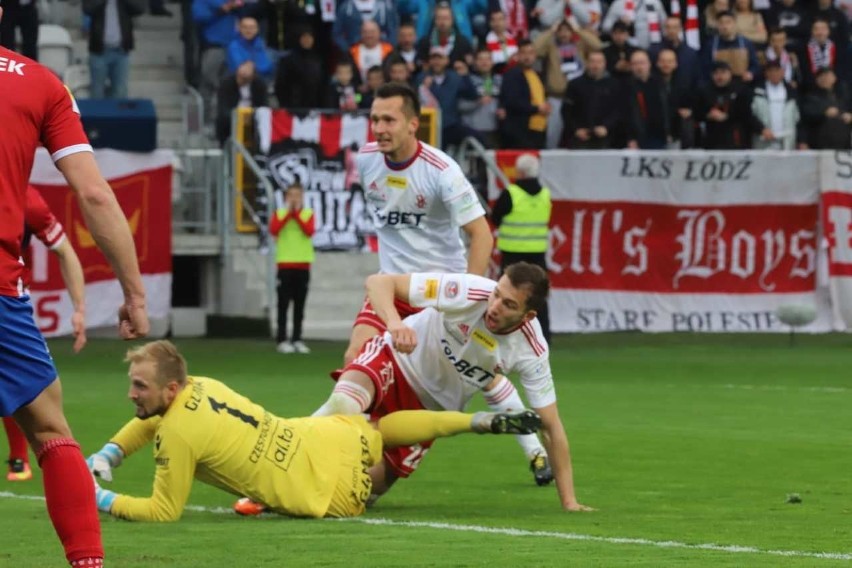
column 393, row 393
column 368, row 316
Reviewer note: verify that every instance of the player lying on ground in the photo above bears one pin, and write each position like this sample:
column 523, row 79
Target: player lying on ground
column 40, row 222
column 420, row 201
column 471, row 329
column 302, row 467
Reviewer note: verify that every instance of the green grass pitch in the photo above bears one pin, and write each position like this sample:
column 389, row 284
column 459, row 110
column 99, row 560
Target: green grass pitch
column 678, row 439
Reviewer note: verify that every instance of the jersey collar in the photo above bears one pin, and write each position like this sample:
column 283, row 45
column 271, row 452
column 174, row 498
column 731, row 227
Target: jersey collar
column 397, row 166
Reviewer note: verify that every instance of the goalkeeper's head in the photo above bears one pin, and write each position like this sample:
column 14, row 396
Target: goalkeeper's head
column 157, row 374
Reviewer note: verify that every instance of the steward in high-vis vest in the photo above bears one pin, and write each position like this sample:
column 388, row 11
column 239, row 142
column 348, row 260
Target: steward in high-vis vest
column 522, row 215
column 293, row 226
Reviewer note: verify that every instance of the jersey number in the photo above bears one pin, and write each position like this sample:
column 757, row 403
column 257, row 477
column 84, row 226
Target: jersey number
column 219, row 406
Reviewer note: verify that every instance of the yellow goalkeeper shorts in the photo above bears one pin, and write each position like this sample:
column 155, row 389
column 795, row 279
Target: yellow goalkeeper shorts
column 360, row 449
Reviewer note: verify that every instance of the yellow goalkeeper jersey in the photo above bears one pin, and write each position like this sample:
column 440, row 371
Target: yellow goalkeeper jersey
column 222, row 438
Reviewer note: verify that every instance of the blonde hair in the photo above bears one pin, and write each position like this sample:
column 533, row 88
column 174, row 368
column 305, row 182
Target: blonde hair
column 171, row 366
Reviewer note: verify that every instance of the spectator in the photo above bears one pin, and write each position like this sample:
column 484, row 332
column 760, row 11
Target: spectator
column 448, row 87
column 515, row 14
column 590, row 110
column 688, row 63
column 217, row 21
column 711, row 14
column 351, row 15
column 371, row 50
column 285, row 20
column 293, row 226
column 838, row 24
column 480, row 115
column 647, row 110
column 618, row 51
column 679, row 101
column 22, row 15
column 725, row 108
column 462, row 13
column 110, row 44
column 637, row 18
column 789, row 61
column 398, row 70
column 732, row 48
column 244, row 89
column 750, row 23
column 406, row 49
column 774, row 107
column 526, row 107
column 299, row 80
column 563, row 50
column 342, row 94
column 375, row 79
column 522, row 215
column 500, row 42
column 445, row 34
column 789, row 16
column 827, row 113
column 550, row 12
column 249, row 46
column 820, row 52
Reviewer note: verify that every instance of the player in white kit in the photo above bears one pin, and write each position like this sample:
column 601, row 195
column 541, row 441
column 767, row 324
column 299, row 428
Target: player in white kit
column 469, row 330
column 419, row 199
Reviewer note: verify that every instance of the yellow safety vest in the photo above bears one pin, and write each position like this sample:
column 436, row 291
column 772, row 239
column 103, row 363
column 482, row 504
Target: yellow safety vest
column 293, row 245
column 524, row 229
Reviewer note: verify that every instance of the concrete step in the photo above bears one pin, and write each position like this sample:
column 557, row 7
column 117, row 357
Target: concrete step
column 148, row 22
column 155, row 89
column 156, row 73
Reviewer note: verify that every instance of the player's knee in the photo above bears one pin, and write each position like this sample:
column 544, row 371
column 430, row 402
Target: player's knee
column 350, row 354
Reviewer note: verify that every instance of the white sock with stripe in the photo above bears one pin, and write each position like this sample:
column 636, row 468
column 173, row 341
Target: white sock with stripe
column 346, row 398
column 504, row 397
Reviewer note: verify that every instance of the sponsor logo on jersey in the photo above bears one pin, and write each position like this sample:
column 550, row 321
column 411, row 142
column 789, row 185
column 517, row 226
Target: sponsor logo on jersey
column 396, row 182
column 451, row 289
column 420, row 201
column 484, row 339
column 12, row 66
column 431, row 290
column 74, row 106
column 401, row 218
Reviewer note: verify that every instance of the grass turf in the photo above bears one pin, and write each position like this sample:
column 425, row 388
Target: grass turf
column 694, row 439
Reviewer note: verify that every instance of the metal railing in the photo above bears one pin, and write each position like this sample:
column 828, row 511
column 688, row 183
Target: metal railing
column 199, row 195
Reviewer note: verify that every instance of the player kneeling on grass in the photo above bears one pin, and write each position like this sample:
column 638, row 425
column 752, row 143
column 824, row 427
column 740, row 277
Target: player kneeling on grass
column 302, row 467
column 470, row 330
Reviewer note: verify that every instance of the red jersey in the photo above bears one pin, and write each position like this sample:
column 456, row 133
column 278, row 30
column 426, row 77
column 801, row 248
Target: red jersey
column 39, row 222
column 35, row 109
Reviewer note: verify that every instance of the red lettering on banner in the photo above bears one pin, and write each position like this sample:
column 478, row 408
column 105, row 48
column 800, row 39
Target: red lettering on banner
column 837, row 220
column 651, row 247
column 47, row 317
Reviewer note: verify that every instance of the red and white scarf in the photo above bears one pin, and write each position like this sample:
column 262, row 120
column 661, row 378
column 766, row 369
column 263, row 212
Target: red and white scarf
column 516, row 16
column 502, row 50
column 821, row 56
column 784, row 59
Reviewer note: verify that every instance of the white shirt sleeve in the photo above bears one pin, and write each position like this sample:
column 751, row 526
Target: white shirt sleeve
column 537, row 380
column 459, row 196
column 448, row 292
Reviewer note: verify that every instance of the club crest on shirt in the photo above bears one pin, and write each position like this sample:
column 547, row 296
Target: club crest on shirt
column 451, row 289
column 465, row 329
column 420, row 201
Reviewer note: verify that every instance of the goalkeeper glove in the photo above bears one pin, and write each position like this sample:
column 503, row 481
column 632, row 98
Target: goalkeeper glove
column 101, row 463
column 103, row 497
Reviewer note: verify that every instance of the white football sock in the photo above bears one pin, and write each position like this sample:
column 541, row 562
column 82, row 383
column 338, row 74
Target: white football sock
column 504, row 397
column 346, row 398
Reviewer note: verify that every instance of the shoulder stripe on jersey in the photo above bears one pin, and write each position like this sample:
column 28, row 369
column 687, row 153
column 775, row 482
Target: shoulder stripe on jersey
column 483, row 290
column 477, row 297
column 368, row 148
column 529, row 333
column 435, row 157
column 429, row 159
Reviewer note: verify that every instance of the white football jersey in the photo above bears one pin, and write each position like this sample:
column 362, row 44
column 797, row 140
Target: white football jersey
column 418, row 208
column 456, row 355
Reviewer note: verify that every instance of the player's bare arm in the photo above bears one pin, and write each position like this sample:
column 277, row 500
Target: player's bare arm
column 72, row 275
column 481, row 245
column 382, row 289
column 109, row 228
column 556, row 442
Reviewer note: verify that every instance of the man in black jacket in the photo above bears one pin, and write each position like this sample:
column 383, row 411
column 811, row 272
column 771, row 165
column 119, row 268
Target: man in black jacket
column 522, row 97
column 827, row 113
column 300, row 81
column 23, row 16
column 589, row 109
column 647, row 119
column 243, row 89
column 110, row 44
column 725, row 108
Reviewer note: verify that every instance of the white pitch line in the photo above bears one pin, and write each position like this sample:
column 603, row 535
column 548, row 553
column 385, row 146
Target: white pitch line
column 731, row 548
column 780, row 388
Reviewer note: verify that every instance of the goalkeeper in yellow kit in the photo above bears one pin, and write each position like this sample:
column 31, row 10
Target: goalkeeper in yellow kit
column 302, row 467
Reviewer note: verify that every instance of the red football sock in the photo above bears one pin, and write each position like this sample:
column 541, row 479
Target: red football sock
column 18, row 448
column 70, row 495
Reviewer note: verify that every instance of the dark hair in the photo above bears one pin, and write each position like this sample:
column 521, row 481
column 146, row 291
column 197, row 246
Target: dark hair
column 523, row 43
column 821, row 19
column 410, row 100
column 482, row 49
column 345, row 63
column 776, row 30
column 375, row 69
column 534, row 279
column 725, row 14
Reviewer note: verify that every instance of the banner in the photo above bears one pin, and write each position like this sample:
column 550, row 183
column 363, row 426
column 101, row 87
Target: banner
column 692, row 241
column 318, row 150
column 142, row 184
column 836, row 185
